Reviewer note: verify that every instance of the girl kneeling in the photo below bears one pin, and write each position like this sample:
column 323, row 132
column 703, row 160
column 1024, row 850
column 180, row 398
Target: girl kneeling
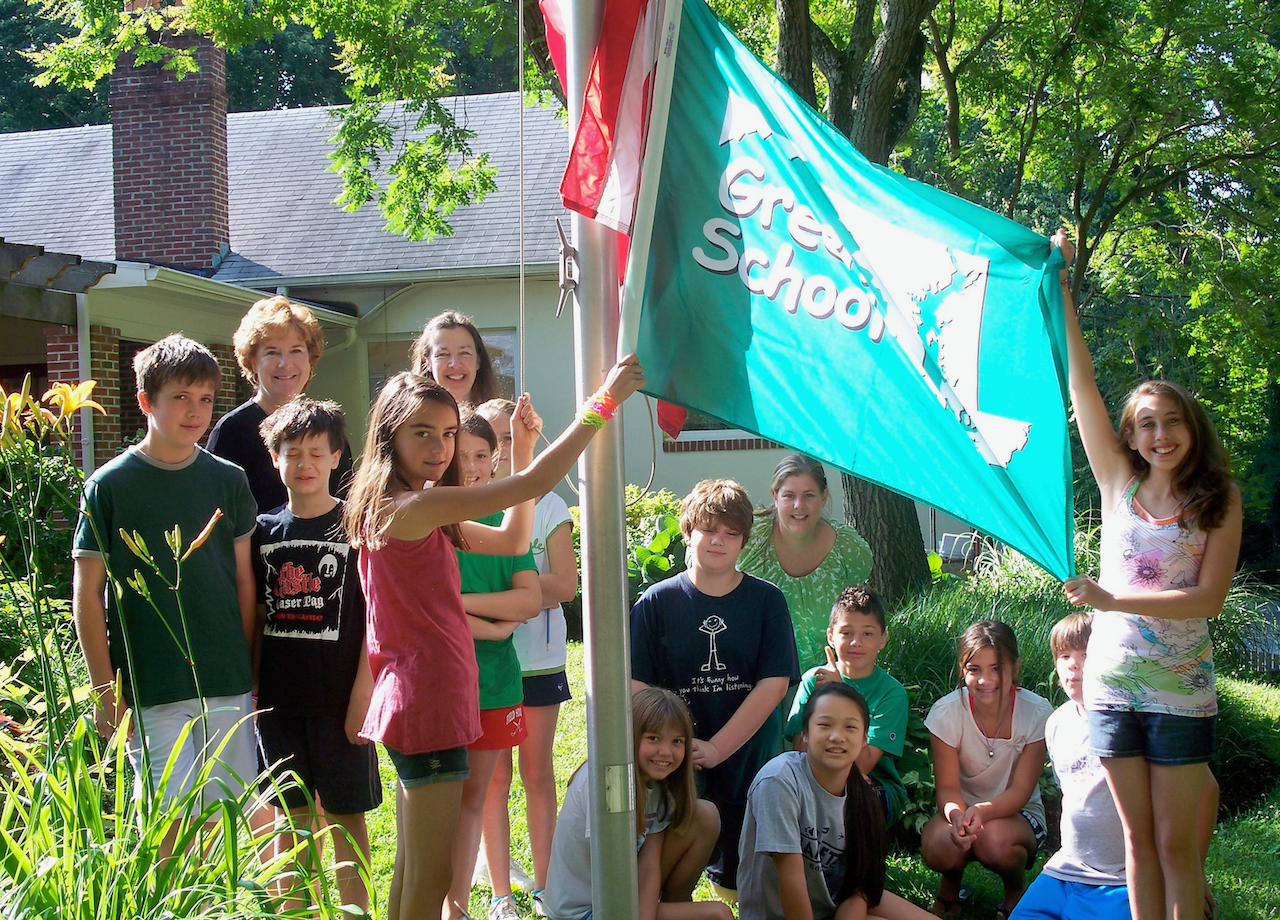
column 674, row 828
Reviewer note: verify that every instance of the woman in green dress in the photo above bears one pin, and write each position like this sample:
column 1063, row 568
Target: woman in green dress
column 808, row 556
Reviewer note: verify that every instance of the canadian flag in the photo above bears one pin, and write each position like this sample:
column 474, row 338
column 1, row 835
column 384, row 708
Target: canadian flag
column 602, row 180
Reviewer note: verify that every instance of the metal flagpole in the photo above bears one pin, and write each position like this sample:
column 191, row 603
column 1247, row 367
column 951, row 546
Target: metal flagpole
column 604, row 574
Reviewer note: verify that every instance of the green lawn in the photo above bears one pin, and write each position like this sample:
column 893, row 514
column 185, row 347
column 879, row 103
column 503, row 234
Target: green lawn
column 1244, row 862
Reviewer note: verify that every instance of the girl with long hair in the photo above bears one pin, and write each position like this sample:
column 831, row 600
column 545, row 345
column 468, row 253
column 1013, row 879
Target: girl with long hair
column 408, row 518
column 670, row 856
column 987, row 740
column 1171, row 522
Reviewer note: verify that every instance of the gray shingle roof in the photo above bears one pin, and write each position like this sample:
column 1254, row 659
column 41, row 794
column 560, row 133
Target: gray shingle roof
column 57, row 191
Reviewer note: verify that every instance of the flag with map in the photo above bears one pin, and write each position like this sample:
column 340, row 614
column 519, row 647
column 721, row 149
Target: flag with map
column 783, row 284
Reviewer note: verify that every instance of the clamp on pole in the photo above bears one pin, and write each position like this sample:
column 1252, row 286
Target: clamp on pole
column 569, row 271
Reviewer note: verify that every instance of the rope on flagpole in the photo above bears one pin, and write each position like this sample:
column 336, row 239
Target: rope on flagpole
column 520, row 52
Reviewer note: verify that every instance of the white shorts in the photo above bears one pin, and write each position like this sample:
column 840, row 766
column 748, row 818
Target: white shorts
column 228, row 743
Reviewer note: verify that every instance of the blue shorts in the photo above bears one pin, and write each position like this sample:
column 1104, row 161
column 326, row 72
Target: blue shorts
column 1163, row 739
column 1050, row 898
column 546, row 689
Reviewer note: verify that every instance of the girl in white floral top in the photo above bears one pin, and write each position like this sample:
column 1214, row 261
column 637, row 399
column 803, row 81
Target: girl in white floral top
column 1171, row 518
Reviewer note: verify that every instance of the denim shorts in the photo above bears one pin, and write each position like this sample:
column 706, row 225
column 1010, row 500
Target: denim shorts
column 448, row 766
column 1162, row 739
column 1040, row 833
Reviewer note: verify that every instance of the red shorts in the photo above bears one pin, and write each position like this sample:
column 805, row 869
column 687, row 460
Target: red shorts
column 501, row 729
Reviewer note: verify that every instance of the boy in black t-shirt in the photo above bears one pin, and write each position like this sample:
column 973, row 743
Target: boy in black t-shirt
column 723, row 641
column 314, row 680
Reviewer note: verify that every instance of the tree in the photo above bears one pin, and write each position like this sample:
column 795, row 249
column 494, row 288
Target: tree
column 292, row 68
column 1152, row 129
column 872, row 64
column 23, row 105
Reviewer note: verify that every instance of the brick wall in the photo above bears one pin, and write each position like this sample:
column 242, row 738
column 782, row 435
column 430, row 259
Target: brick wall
column 62, row 351
column 169, row 140
column 228, row 394
column 111, row 360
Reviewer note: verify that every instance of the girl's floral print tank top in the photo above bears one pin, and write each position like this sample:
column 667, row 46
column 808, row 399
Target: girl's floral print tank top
column 1149, row 664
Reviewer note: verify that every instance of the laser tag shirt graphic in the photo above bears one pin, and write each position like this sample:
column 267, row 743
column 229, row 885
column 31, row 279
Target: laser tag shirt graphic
column 314, row 630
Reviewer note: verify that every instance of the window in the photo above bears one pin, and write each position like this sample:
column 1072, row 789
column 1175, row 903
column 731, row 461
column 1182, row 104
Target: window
column 391, row 356
column 703, row 432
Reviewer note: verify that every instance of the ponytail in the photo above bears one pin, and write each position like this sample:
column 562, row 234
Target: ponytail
column 866, row 842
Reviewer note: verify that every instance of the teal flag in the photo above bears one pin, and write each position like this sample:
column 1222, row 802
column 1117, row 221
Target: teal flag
column 782, row 283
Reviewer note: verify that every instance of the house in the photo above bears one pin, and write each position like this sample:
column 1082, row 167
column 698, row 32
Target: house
column 192, row 214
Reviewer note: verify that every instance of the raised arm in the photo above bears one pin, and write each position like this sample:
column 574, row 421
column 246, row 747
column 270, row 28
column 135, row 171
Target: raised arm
column 1101, row 443
column 418, row 513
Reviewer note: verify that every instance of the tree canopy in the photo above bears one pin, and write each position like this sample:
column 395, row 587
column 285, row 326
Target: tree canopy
column 1148, row 128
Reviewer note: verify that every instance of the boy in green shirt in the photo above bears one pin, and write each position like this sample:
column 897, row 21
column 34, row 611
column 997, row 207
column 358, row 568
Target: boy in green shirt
column 856, row 634
column 168, row 480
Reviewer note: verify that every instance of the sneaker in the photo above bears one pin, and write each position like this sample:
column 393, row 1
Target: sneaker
column 519, row 878
column 503, row 909
column 539, row 910
column 480, row 875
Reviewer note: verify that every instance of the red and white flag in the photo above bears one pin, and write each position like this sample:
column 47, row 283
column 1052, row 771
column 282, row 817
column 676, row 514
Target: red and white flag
column 602, row 180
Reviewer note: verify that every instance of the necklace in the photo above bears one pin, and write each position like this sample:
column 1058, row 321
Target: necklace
column 991, row 739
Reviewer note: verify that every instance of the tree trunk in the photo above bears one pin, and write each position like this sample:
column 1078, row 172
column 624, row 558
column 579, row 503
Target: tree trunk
column 888, row 522
column 795, row 59
column 888, row 89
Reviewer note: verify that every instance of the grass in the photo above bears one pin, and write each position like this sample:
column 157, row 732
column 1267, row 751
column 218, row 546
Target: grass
column 1241, row 863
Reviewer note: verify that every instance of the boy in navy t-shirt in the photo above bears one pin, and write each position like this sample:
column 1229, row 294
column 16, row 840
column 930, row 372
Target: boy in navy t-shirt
column 314, row 680
column 722, row 640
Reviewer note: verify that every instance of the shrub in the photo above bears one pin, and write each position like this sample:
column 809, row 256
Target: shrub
column 655, row 548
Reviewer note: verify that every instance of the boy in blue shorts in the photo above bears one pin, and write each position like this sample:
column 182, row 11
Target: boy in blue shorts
column 314, row 681
column 163, row 481
column 1085, row 879
column 721, row 640
column 856, row 635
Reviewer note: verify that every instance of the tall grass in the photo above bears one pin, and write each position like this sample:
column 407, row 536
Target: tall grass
column 78, row 843
column 77, row 839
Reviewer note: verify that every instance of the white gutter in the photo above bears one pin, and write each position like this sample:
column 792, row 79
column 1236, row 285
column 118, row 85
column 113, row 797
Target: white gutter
column 83, row 359
column 234, row 297
column 540, row 270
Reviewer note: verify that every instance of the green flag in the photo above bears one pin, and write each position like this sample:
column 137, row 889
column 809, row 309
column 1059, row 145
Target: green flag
column 780, row 282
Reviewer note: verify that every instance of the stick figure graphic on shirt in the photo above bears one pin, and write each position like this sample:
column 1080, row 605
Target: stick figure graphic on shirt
column 713, row 626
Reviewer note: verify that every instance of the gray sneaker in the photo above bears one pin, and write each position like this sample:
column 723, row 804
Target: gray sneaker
column 536, row 899
column 503, row 909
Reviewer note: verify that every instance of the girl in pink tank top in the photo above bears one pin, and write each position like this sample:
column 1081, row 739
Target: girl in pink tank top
column 407, row 514
column 1171, row 520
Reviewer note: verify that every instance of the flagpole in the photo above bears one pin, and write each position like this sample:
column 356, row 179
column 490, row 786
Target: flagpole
column 604, row 574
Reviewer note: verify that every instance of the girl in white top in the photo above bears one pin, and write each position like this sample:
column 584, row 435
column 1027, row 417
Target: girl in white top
column 988, row 754
column 671, row 823
column 540, row 644
column 1171, row 520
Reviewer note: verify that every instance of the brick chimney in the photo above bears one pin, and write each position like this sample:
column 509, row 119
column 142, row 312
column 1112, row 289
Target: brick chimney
column 169, row 141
